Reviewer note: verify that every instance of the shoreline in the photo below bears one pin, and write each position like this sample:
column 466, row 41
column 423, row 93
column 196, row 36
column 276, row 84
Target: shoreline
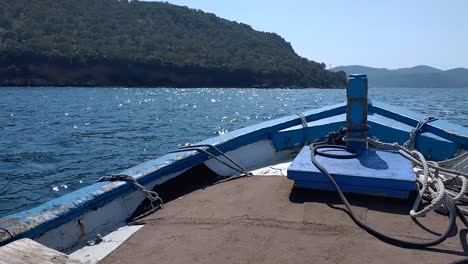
column 173, row 87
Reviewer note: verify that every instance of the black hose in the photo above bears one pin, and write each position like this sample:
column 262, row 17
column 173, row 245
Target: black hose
column 333, row 155
column 449, row 203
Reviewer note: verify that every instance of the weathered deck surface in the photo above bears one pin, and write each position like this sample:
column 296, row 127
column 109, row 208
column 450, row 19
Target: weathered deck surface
column 27, row 251
column 264, row 220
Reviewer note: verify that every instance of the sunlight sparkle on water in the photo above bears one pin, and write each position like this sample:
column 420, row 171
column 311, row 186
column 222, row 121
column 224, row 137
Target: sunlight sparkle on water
column 125, row 133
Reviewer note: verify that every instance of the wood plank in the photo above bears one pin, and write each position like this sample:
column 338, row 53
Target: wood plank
column 27, row 251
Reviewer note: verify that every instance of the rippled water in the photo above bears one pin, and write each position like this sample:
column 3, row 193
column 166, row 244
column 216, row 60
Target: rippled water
column 56, row 140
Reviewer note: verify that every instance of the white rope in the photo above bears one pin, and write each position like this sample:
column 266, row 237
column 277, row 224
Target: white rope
column 411, row 142
column 459, row 163
column 433, row 186
column 454, row 161
column 304, row 128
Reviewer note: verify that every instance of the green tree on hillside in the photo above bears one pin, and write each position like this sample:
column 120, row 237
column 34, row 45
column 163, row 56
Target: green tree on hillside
column 112, row 42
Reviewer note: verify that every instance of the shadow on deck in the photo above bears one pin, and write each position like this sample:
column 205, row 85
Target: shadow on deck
column 264, row 219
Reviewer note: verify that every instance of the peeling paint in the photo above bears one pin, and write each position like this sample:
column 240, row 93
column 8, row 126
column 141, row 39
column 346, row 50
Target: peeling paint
column 110, row 186
column 149, row 171
column 13, row 226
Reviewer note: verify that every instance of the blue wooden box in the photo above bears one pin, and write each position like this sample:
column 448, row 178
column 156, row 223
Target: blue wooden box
column 374, row 172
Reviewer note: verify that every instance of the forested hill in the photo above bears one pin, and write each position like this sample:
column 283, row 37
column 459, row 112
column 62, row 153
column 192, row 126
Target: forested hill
column 120, row 43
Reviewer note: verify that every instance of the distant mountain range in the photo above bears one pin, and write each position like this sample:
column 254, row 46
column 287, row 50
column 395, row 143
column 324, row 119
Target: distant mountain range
column 421, row 76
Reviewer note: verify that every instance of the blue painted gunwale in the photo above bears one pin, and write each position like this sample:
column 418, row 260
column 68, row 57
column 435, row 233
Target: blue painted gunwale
column 453, row 132
column 387, row 126
column 384, row 128
column 50, row 215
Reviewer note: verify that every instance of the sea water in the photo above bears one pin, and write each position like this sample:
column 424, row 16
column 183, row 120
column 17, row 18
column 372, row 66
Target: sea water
column 56, row 140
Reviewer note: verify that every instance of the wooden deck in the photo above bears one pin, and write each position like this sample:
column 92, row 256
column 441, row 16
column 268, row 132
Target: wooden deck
column 27, row 251
column 264, row 219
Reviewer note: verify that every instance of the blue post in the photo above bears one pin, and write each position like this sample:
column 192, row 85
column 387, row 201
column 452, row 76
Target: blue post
column 356, row 111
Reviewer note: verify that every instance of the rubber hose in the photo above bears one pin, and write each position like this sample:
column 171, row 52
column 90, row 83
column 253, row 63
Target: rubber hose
column 450, row 204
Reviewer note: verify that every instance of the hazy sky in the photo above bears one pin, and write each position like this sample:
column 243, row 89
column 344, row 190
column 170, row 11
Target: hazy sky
column 377, row 33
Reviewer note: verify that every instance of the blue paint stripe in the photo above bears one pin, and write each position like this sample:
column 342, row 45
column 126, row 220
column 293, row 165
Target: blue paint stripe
column 384, row 192
column 388, row 130
column 453, row 132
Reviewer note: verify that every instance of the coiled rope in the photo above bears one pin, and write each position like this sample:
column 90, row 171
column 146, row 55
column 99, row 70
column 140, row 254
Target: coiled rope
column 441, row 191
column 304, row 128
column 411, row 142
column 433, row 184
column 448, row 203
